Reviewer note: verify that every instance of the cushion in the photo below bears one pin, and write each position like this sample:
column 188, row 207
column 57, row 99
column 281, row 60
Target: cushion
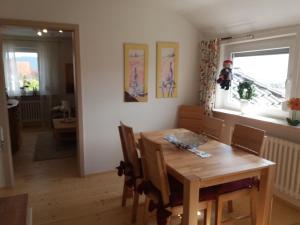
column 247, row 183
column 176, row 189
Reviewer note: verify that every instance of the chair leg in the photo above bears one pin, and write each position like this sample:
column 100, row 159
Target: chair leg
column 219, row 211
column 124, row 195
column 253, row 202
column 169, row 220
column 135, row 206
column 146, row 212
column 207, row 213
column 230, row 206
column 271, row 210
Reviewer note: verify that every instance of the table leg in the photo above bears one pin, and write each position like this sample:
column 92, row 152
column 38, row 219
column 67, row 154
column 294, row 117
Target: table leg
column 265, row 196
column 191, row 201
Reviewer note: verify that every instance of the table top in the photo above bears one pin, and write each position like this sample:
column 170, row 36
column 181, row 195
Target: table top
column 61, row 124
column 225, row 160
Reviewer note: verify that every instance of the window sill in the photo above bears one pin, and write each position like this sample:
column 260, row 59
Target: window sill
column 281, row 122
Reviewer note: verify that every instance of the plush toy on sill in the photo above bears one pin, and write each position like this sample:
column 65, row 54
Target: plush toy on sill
column 225, row 75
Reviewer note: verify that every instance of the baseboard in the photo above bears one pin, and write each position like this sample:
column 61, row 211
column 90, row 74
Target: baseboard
column 287, row 200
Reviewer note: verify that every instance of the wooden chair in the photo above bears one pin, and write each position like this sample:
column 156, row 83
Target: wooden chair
column 14, row 210
column 190, row 117
column 213, row 127
column 165, row 190
column 131, row 167
column 249, row 139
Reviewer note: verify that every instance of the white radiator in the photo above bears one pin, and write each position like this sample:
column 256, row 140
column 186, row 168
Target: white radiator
column 286, row 154
column 31, row 110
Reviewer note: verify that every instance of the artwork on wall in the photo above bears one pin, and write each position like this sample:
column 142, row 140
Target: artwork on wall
column 167, row 69
column 135, row 72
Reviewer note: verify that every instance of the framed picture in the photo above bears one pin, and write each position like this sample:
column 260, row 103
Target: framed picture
column 167, row 55
column 135, row 72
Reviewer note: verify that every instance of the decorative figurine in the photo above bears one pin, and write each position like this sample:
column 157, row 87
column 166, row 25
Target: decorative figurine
column 225, row 75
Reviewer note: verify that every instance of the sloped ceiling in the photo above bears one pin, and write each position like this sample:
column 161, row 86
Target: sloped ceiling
column 226, row 17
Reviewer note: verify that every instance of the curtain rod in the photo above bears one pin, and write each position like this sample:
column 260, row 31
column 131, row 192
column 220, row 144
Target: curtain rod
column 249, row 36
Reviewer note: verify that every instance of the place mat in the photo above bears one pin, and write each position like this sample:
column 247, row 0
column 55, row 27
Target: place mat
column 190, row 142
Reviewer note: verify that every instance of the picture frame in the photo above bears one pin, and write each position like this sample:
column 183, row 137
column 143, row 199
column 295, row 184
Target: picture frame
column 136, row 72
column 167, row 56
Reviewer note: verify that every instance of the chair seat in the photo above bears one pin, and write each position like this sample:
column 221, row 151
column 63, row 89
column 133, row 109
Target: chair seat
column 247, row 183
column 208, row 193
column 176, row 189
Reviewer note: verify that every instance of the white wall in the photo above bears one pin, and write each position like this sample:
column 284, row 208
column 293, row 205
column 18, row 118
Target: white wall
column 104, row 27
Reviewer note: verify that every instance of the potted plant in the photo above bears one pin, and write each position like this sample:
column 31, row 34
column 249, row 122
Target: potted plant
column 294, row 105
column 246, row 93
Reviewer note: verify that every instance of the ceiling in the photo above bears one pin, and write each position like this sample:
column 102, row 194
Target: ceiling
column 224, row 17
column 32, row 32
column 215, row 18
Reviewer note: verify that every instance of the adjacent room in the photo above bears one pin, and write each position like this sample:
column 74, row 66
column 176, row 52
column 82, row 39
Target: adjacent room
column 160, row 112
column 39, row 87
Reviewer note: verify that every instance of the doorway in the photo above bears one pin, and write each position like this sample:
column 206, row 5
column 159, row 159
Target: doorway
column 43, row 98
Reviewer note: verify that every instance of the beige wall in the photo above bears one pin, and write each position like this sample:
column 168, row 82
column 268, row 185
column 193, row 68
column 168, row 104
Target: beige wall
column 104, row 27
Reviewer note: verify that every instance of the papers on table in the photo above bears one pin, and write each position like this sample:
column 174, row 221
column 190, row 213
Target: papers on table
column 190, row 142
column 200, row 153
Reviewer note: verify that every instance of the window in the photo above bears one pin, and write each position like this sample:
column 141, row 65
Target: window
column 27, row 68
column 269, row 65
column 21, row 66
column 268, row 70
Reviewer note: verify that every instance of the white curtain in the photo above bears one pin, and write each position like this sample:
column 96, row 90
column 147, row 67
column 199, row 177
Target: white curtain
column 48, row 65
column 12, row 77
column 48, row 68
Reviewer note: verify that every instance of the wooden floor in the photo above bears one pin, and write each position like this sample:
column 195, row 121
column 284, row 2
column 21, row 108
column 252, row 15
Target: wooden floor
column 59, row 197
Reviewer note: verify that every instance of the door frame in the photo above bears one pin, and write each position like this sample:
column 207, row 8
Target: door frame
column 74, row 28
column 9, row 178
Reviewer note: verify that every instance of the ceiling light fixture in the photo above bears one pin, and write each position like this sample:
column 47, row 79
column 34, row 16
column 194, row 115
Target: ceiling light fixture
column 45, row 31
column 39, row 33
column 60, row 31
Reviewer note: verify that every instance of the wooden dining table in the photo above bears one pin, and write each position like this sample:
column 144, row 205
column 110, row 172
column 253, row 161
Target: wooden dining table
column 226, row 164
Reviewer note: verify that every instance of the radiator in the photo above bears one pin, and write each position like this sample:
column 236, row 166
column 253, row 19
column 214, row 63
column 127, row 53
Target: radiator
column 31, row 111
column 286, row 154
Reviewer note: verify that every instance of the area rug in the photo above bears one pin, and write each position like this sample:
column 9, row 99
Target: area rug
column 48, row 147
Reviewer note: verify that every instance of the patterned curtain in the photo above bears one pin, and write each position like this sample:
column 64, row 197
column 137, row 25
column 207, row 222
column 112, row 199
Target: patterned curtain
column 208, row 71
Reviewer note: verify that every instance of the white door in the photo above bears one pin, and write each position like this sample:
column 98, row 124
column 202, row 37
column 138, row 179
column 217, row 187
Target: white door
column 6, row 166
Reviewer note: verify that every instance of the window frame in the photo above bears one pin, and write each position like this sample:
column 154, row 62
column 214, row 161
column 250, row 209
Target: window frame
column 223, row 100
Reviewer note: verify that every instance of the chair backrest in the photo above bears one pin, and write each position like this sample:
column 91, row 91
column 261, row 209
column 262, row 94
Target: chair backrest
column 248, row 138
column 129, row 148
column 213, row 127
column 154, row 167
column 190, row 117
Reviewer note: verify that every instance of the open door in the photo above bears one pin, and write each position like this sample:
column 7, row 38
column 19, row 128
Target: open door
column 6, row 166
column 6, row 163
